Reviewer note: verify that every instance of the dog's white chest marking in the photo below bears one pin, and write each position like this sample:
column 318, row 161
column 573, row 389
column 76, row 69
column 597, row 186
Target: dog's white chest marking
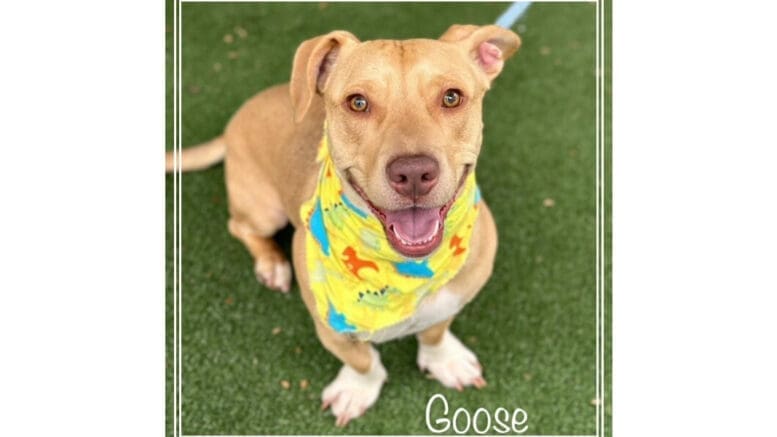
column 432, row 310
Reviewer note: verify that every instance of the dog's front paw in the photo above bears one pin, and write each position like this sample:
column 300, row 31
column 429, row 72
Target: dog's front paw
column 451, row 363
column 351, row 393
column 274, row 272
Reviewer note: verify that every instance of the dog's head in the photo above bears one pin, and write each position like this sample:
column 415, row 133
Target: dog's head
column 404, row 119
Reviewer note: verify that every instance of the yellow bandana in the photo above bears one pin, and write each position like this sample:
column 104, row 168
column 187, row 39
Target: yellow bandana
column 360, row 283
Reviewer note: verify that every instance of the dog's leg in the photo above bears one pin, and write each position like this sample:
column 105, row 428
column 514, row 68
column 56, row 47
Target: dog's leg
column 447, row 359
column 270, row 264
column 256, row 214
column 439, row 351
column 357, row 385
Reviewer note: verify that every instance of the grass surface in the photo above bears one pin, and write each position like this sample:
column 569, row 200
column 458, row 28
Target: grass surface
column 533, row 326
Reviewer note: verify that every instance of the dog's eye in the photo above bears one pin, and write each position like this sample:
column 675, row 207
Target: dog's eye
column 357, row 102
column 451, row 98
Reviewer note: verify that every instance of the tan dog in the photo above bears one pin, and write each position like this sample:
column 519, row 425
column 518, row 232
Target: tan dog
column 405, row 128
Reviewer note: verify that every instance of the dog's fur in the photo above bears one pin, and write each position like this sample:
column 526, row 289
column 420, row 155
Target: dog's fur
column 269, row 149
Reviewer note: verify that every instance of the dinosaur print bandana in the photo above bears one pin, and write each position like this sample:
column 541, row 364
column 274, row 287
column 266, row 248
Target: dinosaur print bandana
column 360, row 283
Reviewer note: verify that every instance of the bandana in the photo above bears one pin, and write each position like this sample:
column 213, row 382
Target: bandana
column 360, row 283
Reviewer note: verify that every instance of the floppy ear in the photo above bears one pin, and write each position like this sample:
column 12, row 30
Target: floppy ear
column 489, row 46
column 313, row 64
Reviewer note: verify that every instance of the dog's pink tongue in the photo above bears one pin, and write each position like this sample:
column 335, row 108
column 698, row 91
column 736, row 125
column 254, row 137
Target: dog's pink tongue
column 414, row 225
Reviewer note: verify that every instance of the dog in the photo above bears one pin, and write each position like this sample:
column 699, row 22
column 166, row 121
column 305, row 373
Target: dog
column 370, row 153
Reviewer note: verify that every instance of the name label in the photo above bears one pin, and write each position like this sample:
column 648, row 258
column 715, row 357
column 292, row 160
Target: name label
column 482, row 421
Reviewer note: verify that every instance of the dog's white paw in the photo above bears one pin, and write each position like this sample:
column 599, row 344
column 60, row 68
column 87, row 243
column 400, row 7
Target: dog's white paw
column 451, row 363
column 351, row 393
column 273, row 273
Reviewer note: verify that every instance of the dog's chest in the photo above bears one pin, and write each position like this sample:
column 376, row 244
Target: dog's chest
column 432, row 310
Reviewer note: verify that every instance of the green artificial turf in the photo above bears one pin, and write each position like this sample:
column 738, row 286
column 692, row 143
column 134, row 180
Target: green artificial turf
column 533, row 326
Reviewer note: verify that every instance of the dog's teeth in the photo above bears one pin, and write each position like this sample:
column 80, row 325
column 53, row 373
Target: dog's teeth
column 426, row 240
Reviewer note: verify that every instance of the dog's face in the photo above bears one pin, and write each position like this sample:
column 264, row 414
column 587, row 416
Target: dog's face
column 404, row 120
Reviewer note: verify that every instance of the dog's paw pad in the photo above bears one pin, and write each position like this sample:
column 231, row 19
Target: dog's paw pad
column 451, row 363
column 352, row 393
column 273, row 273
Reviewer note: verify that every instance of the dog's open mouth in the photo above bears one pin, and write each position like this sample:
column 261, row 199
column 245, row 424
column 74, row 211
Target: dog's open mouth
column 414, row 232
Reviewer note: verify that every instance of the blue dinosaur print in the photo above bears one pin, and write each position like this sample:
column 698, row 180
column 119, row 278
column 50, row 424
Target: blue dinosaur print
column 353, row 207
column 337, row 321
column 318, row 229
column 418, row 269
column 477, row 195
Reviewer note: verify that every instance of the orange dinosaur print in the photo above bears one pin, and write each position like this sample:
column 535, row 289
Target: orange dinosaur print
column 456, row 243
column 354, row 263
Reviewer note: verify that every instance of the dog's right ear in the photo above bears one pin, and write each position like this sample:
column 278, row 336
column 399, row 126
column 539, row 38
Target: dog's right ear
column 489, row 46
column 313, row 63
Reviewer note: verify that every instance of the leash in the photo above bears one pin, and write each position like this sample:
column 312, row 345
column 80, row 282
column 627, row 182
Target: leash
column 512, row 14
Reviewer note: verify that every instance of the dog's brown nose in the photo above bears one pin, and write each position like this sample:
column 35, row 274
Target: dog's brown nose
column 413, row 176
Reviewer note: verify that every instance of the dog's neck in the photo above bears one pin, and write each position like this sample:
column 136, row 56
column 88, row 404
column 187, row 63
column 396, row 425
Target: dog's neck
column 360, row 283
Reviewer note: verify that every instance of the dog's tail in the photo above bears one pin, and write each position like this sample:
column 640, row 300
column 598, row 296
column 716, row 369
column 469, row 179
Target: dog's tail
column 198, row 157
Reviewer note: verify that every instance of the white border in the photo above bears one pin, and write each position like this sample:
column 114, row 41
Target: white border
column 177, row 220
column 394, row 1
column 600, row 215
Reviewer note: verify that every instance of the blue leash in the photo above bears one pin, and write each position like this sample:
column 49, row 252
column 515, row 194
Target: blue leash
column 512, row 14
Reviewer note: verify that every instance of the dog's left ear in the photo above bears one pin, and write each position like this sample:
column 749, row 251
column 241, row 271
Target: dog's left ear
column 313, row 63
column 489, row 46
